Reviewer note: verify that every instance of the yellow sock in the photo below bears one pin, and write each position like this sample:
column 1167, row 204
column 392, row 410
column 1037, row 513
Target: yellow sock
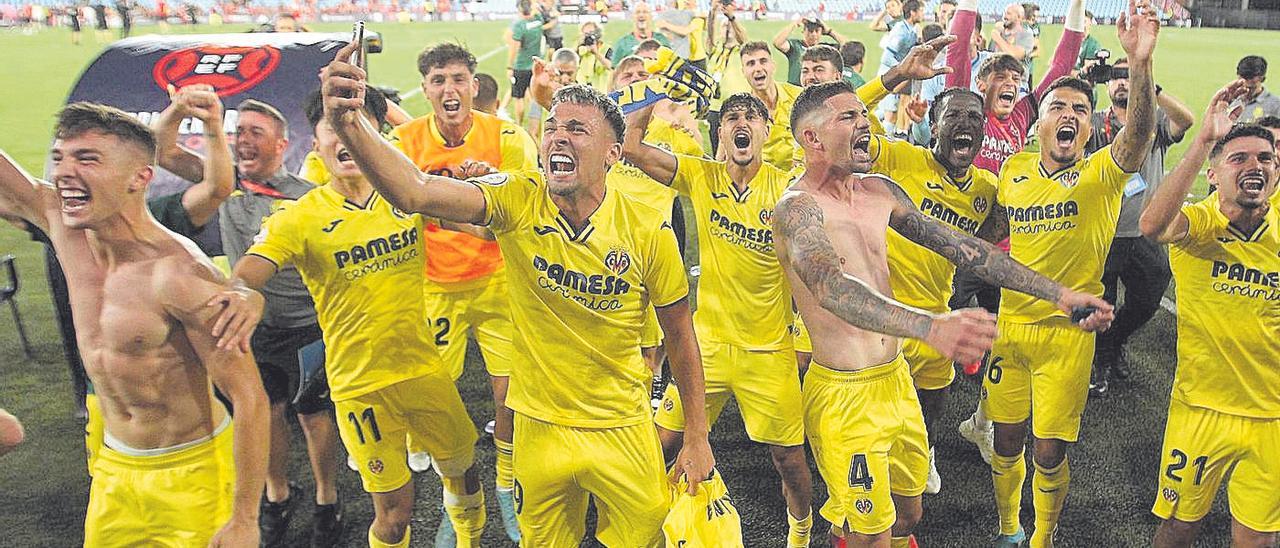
column 1008, row 473
column 900, row 542
column 466, row 512
column 1049, row 493
column 375, row 543
column 503, row 465
column 798, row 530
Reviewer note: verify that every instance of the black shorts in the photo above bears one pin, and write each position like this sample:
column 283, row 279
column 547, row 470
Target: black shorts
column 276, row 350
column 554, row 43
column 520, row 83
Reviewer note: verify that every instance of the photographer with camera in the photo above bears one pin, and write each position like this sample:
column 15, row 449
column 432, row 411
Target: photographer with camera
column 1142, row 265
column 813, row 31
column 593, row 57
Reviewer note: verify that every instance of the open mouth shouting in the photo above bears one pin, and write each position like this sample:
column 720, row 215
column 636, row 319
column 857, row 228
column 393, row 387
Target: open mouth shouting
column 963, row 143
column 1065, row 136
column 1006, row 98
column 861, row 150
column 741, row 139
column 451, row 105
column 561, row 165
column 344, row 157
column 1251, row 182
column 74, row 199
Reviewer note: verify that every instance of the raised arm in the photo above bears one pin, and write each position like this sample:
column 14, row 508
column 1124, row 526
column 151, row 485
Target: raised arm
column 1068, row 50
column 1138, row 30
column 201, row 200
column 184, row 291
column 839, row 38
column 1162, row 220
column 918, row 64
column 388, row 169
column 170, row 155
column 986, row 262
column 1180, row 116
column 877, row 23
column 23, row 196
column 959, row 56
column 780, row 39
column 653, row 161
column 805, row 249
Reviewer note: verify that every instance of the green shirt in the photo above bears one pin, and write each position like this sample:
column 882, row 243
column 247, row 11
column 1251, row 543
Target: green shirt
column 627, row 45
column 528, row 32
column 852, row 77
column 794, row 53
column 1088, row 50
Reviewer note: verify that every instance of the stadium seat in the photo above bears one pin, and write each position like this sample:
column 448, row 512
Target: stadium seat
column 9, row 293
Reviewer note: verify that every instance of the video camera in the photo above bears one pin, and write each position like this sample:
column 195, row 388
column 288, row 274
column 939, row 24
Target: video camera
column 1102, row 73
column 591, row 38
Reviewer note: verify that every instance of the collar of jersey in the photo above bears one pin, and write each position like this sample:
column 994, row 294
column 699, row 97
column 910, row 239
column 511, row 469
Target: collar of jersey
column 580, row 235
column 1054, row 175
column 1257, row 233
column 342, row 201
column 435, row 131
column 964, row 183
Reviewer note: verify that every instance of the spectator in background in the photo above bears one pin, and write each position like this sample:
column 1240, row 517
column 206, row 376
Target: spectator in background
column 1031, row 20
column 551, row 30
column 1089, row 49
column 286, row 22
column 724, row 45
column 888, row 16
column 852, row 54
column 124, row 10
column 564, row 66
column 1257, row 102
column 100, row 19
column 73, row 20
column 946, row 10
column 641, row 30
column 11, row 433
column 593, row 57
column 524, row 43
column 820, row 63
column 697, row 38
column 676, row 24
column 1142, row 265
column 486, row 100
column 902, row 37
column 1012, row 36
column 813, row 29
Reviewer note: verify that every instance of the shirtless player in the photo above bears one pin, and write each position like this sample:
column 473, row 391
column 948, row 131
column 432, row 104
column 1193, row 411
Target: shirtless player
column 862, row 415
column 138, row 296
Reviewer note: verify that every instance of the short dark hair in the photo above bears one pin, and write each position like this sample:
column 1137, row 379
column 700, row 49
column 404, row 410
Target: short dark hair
column 852, row 52
column 813, row 97
column 488, row 92
column 931, row 31
column 936, row 105
column 910, row 6
column 811, row 25
column 1269, row 122
column 79, row 118
column 1089, row 15
column 1070, row 82
column 824, row 52
column 945, row 2
column 1251, row 66
column 648, row 45
column 444, row 54
column 1000, row 62
column 254, row 105
column 752, row 47
column 1239, row 131
column 1029, row 10
column 375, row 104
column 582, row 94
column 745, row 101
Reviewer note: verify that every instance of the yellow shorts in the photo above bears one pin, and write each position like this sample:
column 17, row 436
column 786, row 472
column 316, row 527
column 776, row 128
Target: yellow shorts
column 930, row 370
column 484, row 311
column 1045, row 366
column 800, row 334
column 374, row 428
column 869, row 441
column 558, row 468
column 178, row 499
column 650, row 330
column 93, row 429
column 1203, row 446
column 766, row 384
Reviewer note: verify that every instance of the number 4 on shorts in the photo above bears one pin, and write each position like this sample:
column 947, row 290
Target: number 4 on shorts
column 859, row 473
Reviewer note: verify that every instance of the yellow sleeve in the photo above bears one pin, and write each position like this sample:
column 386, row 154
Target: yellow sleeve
column 684, row 143
column 1108, row 170
column 664, row 278
column 871, row 93
column 689, row 171
column 506, row 196
column 1200, row 220
column 280, row 239
column 889, row 154
column 519, row 152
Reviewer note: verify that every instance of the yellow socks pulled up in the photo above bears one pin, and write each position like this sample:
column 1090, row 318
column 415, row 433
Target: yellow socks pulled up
column 466, row 512
column 1007, row 475
column 798, row 530
column 503, row 465
column 1049, row 494
column 374, row 542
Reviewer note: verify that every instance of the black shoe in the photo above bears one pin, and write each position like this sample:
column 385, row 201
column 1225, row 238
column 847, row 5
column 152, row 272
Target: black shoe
column 274, row 518
column 1098, row 384
column 1120, row 365
column 326, row 525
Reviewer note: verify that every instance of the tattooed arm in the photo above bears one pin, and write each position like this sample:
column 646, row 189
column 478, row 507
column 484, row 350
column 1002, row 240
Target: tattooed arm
column 996, row 227
column 985, row 260
column 804, row 249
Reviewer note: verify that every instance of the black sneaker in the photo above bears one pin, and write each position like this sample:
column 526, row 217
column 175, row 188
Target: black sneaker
column 1098, row 384
column 274, row 518
column 1120, row 365
column 326, row 525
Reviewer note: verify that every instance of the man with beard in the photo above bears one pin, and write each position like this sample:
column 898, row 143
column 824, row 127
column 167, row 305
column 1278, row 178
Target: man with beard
column 820, row 63
column 1141, row 264
column 1060, row 207
column 813, row 29
column 744, row 306
column 862, row 416
column 1224, row 413
column 780, row 148
column 289, row 322
column 466, row 286
column 583, row 263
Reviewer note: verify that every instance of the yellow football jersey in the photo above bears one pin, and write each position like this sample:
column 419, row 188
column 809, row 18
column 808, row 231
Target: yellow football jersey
column 363, row 267
column 780, row 148
column 920, row 277
column 743, row 297
column 1060, row 224
column 578, row 299
column 1228, row 291
column 633, row 182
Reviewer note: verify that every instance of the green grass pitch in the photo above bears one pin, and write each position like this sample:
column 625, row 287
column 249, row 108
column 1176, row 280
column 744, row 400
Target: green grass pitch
column 43, row 486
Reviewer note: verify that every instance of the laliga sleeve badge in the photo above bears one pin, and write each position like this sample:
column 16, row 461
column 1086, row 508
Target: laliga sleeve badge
column 492, row 179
